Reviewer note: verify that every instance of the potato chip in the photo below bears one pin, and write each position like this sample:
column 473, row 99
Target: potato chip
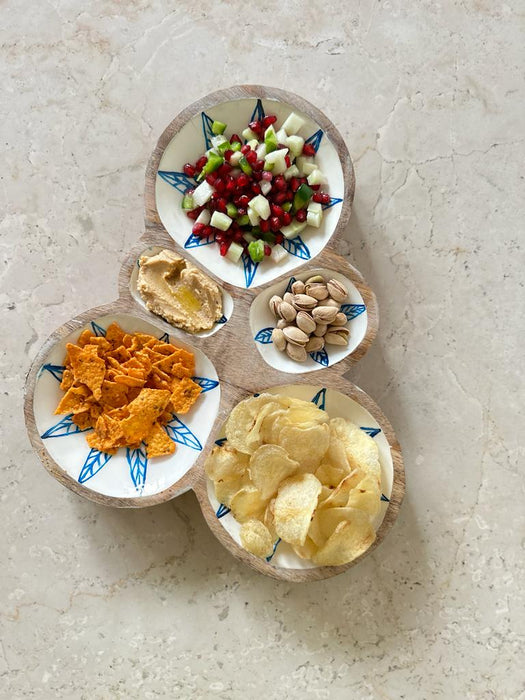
column 269, row 465
column 306, row 445
column 351, row 538
column 158, row 442
column 243, row 425
column 339, row 496
column 305, row 414
column 330, row 475
column 185, row 393
column 247, row 503
column 256, row 538
column 269, row 518
column 225, row 462
column 294, row 506
column 366, row 496
column 225, row 489
column 361, row 450
column 336, row 453
column 307, row 550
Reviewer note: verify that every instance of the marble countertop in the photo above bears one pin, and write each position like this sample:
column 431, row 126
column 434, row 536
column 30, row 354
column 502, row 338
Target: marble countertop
column 100, row 603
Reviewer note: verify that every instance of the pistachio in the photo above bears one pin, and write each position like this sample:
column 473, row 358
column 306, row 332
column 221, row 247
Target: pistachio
column 274, row 304
column 296, row 352
column 317, row 291
column 305, row 322
column 304, row 302
column 314, row 344
column 340, row 319
column 278, row 339
column 337, row 291
column 281, row 323
column 295, row 335
column 298, row 287
column 288, row 298
column 337, row 336
column 331, row 302
column 314, row 279
column 320, row 329
column 286, row 311
column 324, row 314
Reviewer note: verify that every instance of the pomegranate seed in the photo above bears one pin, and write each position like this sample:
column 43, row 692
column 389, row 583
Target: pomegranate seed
column 210, row 179
column 321, row 198
column 267, row 176
column 287, row 161
column 215, row 195
column 201, row 163
column 208, row 231
column 286, row 218
column 224, row 169
column 255, row 188
column 193, row 214
column 295, row 183
column 220, row 237
column 243, row 180
column 245, row 149
column 212, row 205
column 241, row 211
column 267, row 249
column 315, row 187
column 190, row 190
column 251, row 157
column 220, row 185
column 221, row 205
column 326, row 198
column 269, row 120
column 230, row 186
column 276, row 210
column 308, row 150
column 238, row 236
column 257, row 175
column 258, row 165
column 235, row 137
column 280, row 197
column 281, row 145
column 198, row 229
column 275, row 224
column 189, row 170
column 264, row 225
column 279, row 183
column 301, row 215
column 228, row 154
column 244, row 200
column 279, row 238
column 223, row 248
column 256, row 126
column 303, row 180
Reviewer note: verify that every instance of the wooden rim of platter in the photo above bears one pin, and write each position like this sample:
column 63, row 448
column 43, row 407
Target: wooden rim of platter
column 248, row 373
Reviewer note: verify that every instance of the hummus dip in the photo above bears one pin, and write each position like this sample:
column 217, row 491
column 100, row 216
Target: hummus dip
column 179, row 292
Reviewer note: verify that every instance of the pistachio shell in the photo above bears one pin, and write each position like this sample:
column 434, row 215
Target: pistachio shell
column 337, row 336
column 298, row 287
column 304, row 302
column 278, row 339
column 296, row 352
column 337, row 291
column 317, row 291
column 320, row 329
column 314, row 344
column 305, row 322
column 288, row 298
column 314, row 279
column 324, row 314
column 281, row 323
column 339, row 320
column 331, row 302
column 295, row 335
column 286, row 311
column 274, row 304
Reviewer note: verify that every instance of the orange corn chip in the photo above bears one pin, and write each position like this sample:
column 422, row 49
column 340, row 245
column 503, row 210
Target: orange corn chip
column 113, row 394
column 83, row 420
column 185, row 393
column 133, row 392
column 74, row 400
column 114, row 334
column 177, row 364
column 84, row 338
column 101, row 342
column 158, row 443
column 119, row 354
column 87, row 367
column 68, row 380
column 128, row 381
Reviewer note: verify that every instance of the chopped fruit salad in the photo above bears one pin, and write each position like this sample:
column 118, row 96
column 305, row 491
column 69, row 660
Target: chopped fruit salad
column 256, row 189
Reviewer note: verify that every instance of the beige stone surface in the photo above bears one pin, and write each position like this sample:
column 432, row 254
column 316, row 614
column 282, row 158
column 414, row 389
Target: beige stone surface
column 97, row 603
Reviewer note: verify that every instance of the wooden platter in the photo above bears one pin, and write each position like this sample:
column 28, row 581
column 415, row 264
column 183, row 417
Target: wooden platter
column 241, row 369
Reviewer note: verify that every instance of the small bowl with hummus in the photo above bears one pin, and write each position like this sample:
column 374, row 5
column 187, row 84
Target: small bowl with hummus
column 172, row 287
column 251, row 182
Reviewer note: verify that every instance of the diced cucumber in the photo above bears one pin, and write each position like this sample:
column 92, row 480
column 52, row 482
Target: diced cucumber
column 248, row 134
column 231, row 210
column 260, row 206
column 293, row 229
column 220, row 221
column 248, row 237
column 278, row 253
column 202, row 194
column 218, row 127
column 316, row 177
column 234, row 252
column 270, row 139
column 244, row 165
column 277, row 159
column 292, row 171
column 253, row 217
column 281, row 136
column 314, row 206
column 218, row 141
column 302, row 196
column 314, row 218
column 265, row 187
column 203, row 218
column 305, row 163
column 261, row 151
column 293, row 123
column 253, row 143
column 235, row 158
column 188, row 202
column 256, row 251
column 295, row 144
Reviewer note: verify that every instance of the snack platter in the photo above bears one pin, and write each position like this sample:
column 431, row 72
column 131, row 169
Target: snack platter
column 235, row 359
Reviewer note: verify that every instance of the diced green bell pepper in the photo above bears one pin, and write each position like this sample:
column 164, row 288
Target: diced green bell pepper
column 256, row 251
column 214, row 161
column 218, row 128
column 302, row 196
column 245, row 166
column 236, row 146
column 231, row 210
column 223, row 147
column 270, row 139
column 243, row 220
column 187, row 202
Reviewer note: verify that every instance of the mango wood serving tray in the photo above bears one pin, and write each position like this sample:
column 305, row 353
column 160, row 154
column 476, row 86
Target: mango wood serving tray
column 232, row 361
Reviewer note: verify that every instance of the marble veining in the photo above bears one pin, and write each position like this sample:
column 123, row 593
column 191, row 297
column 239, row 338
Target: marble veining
column 103, row 603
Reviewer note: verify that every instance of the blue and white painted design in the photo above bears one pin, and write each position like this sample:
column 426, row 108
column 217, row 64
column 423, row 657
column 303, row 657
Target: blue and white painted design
column 352, row 311
column 264, row 336
column 315, row 139
column 138, row 466
column 207, row 132
column 250, row 268
column 180, row 433
column 289, row 285
column 371, row 431
column 180, row 181
column 320, row 399
column 321, row 357
column 98, row 330
column 276, row 544
column 205, row 383
column 165, row 338
column 92, row 465
column 64, row 427
column 296, row 246
column 196, row 242
column 220, row 442
column 333, row 201
column 56, row 370
column 222, row 510
column 222, row 319
column 258, row 113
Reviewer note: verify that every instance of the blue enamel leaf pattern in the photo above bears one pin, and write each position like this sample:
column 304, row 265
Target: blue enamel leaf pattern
column 258, row 112
column 165, row 338
column 353, row 310
column 98, row 330
column 196, row 242
column 264, row 336
column 56, row 370
column 179, row 432
column 138, row 466
column 332, row 202
column 296, row 246
column 384, row 498
column 371, row 431
column 206, row 129
column 180, row 181
column 315, row 139
column 321, row 356
column 93, row 464
column 62, row 428
column 222, row 510
column 220, row 442
column 289, row 285
column 274, row 548
column 205, row 383
column 250, row 268
column 222, row 319
column 320, row 399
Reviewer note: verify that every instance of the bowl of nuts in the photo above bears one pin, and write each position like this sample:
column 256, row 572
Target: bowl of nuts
column 309, row 321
